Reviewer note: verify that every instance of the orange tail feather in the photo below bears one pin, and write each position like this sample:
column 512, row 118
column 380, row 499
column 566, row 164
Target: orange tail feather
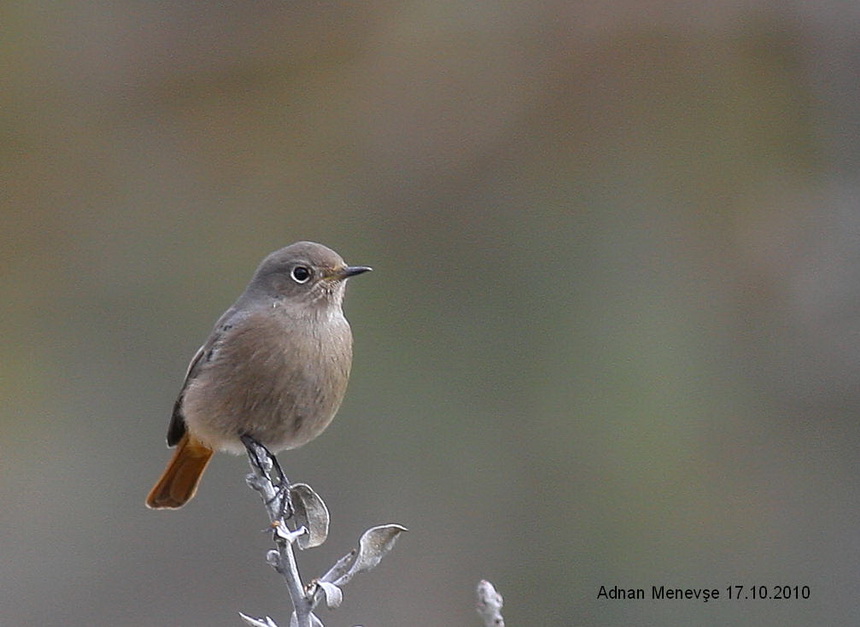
column 179, row 481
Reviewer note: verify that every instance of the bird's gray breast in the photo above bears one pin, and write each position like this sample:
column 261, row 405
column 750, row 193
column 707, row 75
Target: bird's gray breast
column 276, row 377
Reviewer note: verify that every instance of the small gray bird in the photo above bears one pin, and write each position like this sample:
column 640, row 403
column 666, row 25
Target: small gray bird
column 274, row 368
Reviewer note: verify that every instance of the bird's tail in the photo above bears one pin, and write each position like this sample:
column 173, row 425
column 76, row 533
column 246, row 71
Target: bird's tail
column 179, row 481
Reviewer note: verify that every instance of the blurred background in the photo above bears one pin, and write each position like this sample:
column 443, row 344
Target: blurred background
column 612, row 336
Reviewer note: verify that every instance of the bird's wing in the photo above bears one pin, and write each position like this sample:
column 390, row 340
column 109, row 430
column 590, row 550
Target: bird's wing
column 176, row 429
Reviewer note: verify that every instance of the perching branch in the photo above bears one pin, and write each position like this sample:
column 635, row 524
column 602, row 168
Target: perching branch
column 490, row 605
column 298, row 516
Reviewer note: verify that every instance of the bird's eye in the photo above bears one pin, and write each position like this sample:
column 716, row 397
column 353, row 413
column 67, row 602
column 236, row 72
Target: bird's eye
column 301, row 274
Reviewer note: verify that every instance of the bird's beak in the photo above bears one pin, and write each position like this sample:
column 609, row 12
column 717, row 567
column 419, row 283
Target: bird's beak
column 347, row 271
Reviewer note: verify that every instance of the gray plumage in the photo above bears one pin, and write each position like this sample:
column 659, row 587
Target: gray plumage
column 274, row 368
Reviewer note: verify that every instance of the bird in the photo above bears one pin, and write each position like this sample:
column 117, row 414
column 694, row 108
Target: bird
column 274, row 369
